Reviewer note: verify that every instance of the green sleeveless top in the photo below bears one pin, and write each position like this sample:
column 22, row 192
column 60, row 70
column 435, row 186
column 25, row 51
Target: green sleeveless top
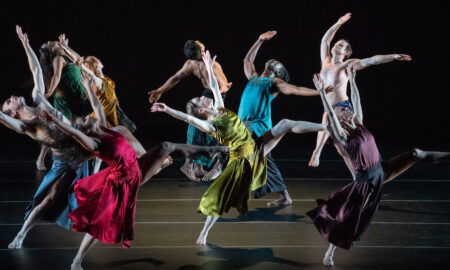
column 71, row 99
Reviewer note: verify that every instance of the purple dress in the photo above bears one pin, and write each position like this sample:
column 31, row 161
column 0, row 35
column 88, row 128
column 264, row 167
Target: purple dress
column 344, row 216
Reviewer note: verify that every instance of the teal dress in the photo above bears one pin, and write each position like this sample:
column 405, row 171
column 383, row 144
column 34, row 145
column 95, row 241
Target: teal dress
column 71, row 98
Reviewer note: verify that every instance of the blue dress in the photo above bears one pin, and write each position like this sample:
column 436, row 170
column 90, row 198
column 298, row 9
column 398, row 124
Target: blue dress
column 65, row 203
column 256, row 113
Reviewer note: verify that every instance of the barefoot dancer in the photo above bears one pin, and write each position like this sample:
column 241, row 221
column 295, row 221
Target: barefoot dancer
column 201, row 167
column 255, row 110
column 334, row 62
column 107, row 200
column 53, row 199
column 344, row 216
column 246, row 170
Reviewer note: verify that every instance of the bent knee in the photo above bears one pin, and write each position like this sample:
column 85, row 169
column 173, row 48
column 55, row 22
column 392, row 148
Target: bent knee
column 166, row 147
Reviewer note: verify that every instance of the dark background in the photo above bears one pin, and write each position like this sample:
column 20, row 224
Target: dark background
column 141, row 45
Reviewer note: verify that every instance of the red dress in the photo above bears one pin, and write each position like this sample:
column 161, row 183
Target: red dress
column 107, row 199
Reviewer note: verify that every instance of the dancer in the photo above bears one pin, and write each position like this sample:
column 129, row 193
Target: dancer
column 246, row 170
column 107, row 200
column 255, row 110
column 344, row 216
column 334, row 62
column 53, row 199
column 105, row 88
column 200, row 167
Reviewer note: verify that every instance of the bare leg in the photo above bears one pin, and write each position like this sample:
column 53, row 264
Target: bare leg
column 210, row 220
column 151, row 162
column 272, row 137
column 400, row 163
column 346, row 159
column 38, row 211
column 328, row 258
column 40, row 162
column 284, row 200
column 322, row 138
column 86, row 244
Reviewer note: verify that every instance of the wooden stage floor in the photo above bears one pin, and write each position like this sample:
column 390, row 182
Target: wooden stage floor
column 411, row 230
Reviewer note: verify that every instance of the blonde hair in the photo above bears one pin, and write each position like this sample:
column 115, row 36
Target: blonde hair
column 92, row 63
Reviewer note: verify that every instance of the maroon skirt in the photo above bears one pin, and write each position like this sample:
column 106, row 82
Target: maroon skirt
column 344, row 216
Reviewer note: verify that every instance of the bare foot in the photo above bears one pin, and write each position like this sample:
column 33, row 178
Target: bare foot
column 188, row 170
column 17, row 242
column 214, row 172
column 40, row 165
column 201, row 241
column 314, row 162
column 76, row 266
column 281, row 202
column 328, row 260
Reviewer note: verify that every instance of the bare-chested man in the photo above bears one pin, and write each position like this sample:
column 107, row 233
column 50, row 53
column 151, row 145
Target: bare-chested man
column 334, row 62
column 200, row 167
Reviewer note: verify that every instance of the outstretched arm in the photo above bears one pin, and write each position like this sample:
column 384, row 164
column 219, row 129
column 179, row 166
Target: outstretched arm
column 354, row 95
column 289, row 89
column 326, row 39
column 212, row 82
column 249, row 67
column 185, row 71
column 95, row 102
column 87, row 142
column 359, row 64
column 224, row 85
column 203, row 125
column 13, row 123
column 337, row 130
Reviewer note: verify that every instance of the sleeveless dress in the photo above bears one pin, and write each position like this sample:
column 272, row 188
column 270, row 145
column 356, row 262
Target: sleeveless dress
column 256, row 112
column 107, row 199
column 345, row 215
column 71, row 98
column 245, row 172
column 110, row 103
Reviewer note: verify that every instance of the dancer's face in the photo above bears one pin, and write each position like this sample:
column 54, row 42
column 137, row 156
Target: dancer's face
column 273, row 68
column 344, row 114
column 205, row 106
column 51, row 46
column 340, row 48
column 13, row 104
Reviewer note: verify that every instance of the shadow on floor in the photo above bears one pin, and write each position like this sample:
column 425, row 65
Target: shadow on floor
column 118, row 264
column 265, row 214
column 237, row 258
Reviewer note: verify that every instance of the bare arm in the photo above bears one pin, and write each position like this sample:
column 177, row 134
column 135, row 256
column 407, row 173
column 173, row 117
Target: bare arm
column 249, row 67
column 354, row 95
column 58, row 64
column 203, row 125
column 185, row 71
column 212, row 82
column 289, row 89
column 95, row 102
column 87, row 142
column 338, row 131
column 13, row 123
column 326, row 39
column 359, row 64
column 224, row 85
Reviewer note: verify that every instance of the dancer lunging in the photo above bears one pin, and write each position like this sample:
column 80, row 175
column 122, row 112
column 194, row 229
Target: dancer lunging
column 255, row 110
column 334, row 62
column 246, row 170
column 199, row 167
column 344, row 216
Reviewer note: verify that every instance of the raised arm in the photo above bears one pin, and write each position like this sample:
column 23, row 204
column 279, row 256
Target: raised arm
column 58, row 65
column 95, row 102
column 203, row 125
column 224, row 85
column 249, row 67
column 354, row 95
column 13, row 123
column 212, row 82
column 326, row 39
column 336, row 128
column 359, row 64
column 289, row 89
column 87, row 142
column 185, row 71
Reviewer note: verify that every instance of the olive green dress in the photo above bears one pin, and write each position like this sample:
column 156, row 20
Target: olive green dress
column 71, row 98
column 245, row 172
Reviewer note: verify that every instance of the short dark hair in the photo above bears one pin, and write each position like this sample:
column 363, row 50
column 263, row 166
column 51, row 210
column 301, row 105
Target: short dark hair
column 348, row 48
column 280, row 68
column 192, row 50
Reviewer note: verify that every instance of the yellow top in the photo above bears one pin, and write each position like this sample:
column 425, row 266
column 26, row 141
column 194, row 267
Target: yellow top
column 108, row 98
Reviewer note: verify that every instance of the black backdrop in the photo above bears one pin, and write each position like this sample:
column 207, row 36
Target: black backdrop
column 140, row 44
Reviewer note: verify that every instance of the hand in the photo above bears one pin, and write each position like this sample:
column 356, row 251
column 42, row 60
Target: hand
column 63, row 40
column 329, row 89
column 267, row 35
column 318, row 82
column 227, row 87
column 22, row 36
column 155, row 95
column 159, row 107
column 345, row 18
column 79, row 62
column 351, row 72
column 46, row 116
column 403, row 57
